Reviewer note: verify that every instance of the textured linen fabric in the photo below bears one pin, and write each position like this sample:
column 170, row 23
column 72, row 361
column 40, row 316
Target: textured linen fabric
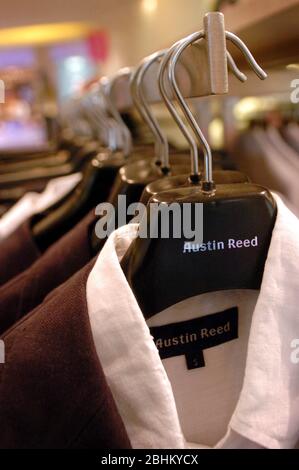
column 32, row 203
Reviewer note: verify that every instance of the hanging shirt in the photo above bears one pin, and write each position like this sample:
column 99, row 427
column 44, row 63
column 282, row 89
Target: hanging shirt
column 28, row 289
column 246, row 395
column 33, row 203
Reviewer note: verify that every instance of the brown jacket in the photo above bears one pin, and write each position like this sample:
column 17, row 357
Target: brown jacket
column 27, row 290
column 53, row 393
column 17, row 252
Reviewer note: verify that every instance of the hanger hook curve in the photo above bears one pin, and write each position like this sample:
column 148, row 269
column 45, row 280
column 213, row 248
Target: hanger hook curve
column 207, row 184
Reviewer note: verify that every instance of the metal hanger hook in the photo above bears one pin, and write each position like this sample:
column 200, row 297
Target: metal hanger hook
column 111, row 123
column 247, row 54
column 141, row 103
column 208, row 184
column 93, row 107
column 173, row 111
column 111, row 84
column 233, row 67
column 207, row 177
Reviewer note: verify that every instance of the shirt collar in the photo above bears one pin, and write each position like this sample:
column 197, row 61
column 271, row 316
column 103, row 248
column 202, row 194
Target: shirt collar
column 267, row 412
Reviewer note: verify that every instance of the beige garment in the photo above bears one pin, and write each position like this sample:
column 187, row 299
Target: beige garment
column 291, row 157
column 264, row 164
column 291, row 135
column 32, row 203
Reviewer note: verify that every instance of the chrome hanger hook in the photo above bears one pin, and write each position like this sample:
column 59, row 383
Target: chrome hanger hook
column 139, row 106
column 173, row 111
column 140, row 101
column 247, row 54
column 208, row 184
column 93, row 107
column 233, row 67
column 111, row 83
column 111, row 123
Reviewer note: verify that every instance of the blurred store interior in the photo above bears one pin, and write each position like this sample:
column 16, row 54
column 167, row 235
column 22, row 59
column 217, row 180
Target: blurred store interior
column 51, row 52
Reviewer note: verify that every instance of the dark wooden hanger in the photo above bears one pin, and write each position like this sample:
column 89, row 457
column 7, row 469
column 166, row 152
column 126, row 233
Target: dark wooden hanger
column 237, row 226
column 98, row 177
column 45, row 172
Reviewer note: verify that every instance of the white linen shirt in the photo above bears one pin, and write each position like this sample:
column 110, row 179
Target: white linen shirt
column 247, row 395
column 33, row 203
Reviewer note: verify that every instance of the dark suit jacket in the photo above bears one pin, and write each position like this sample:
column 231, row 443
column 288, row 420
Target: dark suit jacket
column 17, row 252
column 53, row 393
column 27, row 290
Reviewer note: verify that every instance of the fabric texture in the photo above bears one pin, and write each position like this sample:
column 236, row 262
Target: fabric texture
column 33, row 203
column 27, row 290
column 17, row 252
column 53, row 393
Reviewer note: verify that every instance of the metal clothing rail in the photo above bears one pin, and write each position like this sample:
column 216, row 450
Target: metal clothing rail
column 206, row 60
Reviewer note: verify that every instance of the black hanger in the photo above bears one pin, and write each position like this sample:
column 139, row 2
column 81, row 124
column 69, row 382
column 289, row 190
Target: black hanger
column 77, row 161
column 20, row 154
column 98, row 177
column 67, row 151
column 237, row 226
column 56, row 159
column 133, row 177
column 183, row 181
column 131, row 180
column 67, row 141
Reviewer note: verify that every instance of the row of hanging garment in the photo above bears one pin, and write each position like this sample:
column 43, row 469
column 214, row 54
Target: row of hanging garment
column 268, row 153
column 145, row 342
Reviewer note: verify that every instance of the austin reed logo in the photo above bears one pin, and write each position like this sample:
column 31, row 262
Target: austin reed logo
column 157, row 220
column 214, row 245
column 186, row 338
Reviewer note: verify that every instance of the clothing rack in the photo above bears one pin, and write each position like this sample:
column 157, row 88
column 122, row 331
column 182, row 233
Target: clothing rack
column 208, row 55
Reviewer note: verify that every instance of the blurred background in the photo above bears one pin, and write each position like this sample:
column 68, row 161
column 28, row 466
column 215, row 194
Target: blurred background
column 49, row 50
